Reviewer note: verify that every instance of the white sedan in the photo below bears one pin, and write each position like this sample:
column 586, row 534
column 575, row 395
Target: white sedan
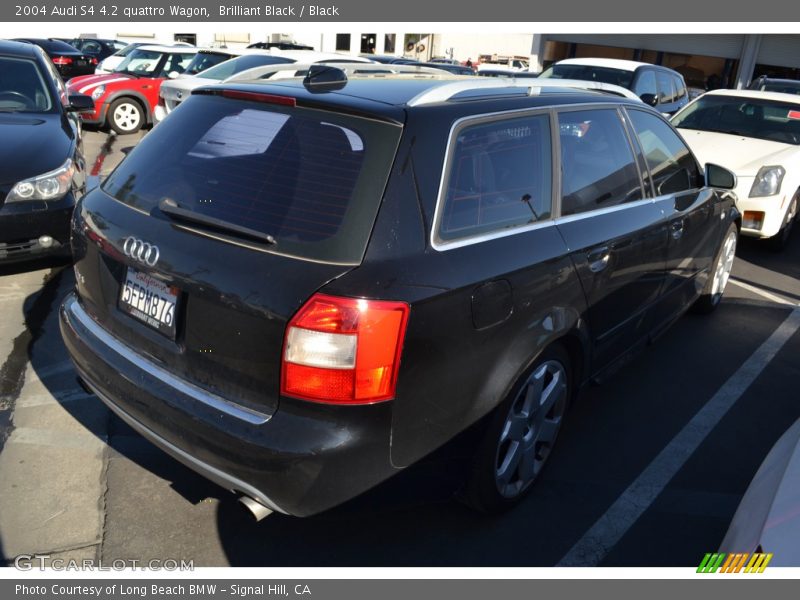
column 757, row 136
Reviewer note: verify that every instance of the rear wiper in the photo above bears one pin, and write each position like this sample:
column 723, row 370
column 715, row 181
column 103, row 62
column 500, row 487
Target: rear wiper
column 171, row 208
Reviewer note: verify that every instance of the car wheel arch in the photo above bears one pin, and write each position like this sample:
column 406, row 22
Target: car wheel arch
column 128, row 95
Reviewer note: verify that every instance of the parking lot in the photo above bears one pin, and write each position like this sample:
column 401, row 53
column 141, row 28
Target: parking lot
column 649, row 470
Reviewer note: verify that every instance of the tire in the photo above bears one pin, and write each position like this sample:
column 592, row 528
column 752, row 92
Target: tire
column 718, row 278
column 125, row 116
column 518, row 441
column 779, row 240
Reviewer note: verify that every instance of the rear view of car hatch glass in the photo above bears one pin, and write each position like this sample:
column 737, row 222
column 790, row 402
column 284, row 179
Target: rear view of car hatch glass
column 307, row 181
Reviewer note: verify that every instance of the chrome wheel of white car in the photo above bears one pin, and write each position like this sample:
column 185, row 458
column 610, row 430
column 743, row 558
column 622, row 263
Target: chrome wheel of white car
column 718, row 278
column 126, row 116
column 782, row 238
column 724, row 266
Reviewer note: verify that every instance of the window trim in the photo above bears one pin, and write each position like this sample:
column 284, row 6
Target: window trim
column 459, row 125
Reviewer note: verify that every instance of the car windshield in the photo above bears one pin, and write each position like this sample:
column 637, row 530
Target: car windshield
column 618, row 77
column 22, row 87
column 147, row 63
column 127, row 49
column 747, row 117
column 205, row 60
column 140, row 62
column 242, row 63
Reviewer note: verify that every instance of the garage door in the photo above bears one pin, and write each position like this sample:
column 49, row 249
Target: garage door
column 780, row 51
column 723, row 46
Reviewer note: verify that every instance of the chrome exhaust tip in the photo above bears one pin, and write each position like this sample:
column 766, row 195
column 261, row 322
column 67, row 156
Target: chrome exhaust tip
column 258, row 510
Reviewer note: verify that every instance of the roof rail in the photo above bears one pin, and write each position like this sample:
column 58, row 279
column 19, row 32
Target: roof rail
column 349, row 68
column 448, row 91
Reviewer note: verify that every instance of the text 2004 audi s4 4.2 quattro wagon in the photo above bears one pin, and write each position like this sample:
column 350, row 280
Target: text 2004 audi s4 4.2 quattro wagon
column 300, row 288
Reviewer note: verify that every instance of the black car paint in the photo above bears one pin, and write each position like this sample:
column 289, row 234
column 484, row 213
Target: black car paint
column 35, row 143
column 480, row 314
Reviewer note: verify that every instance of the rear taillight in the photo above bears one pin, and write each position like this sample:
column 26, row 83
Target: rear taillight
column 93, row 61
column 343, row 350
column 62, row 61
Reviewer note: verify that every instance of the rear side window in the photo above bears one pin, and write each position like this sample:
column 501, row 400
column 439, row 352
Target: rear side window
column 671, row 164
column 499, row 176
column 680, row 89
column 311, row 179
column 646, row 83
column 597, row 162
column 666, row 88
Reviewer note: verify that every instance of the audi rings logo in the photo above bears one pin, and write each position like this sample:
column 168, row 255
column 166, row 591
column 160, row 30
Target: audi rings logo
column 140, row 251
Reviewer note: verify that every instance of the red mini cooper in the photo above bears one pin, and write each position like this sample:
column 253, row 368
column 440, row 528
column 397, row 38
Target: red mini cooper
column 125, row 98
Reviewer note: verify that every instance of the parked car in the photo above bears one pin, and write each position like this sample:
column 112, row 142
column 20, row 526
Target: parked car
column 767, row 520
column 280, row 46
column 108, row 64
column 505, row 73
column 42, row 169
column 450, row 68
column 173, row 92
column 125, row 99
column 97, row 48
column 757, row 136
column 445, row 61
column 68, row 60
column 510, row 64
column 300, row 288
column 660, row 87
column 770, row 84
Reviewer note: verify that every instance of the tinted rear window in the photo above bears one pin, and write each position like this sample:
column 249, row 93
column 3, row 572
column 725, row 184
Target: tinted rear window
column 311, row 179
column 54, row 46
column 590, row 73
column 242, row 63
column 205, row 60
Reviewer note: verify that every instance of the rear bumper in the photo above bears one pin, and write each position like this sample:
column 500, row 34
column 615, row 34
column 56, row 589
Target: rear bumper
column 23, row 223
column 301, row 460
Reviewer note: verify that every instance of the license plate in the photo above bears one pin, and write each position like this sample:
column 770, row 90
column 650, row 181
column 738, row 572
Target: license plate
column 81, row 63
column 151, row 301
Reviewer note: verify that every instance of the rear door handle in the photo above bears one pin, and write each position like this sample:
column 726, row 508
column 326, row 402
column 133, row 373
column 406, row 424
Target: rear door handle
column 599, row 259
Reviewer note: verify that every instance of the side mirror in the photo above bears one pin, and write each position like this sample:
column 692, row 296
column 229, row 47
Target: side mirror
column 173, row 74
column 649, row 99
column 720, row 177
column 80, row 103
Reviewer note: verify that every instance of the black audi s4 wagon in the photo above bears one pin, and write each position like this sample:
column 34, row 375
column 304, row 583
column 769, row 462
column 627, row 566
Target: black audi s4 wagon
column 299, row 288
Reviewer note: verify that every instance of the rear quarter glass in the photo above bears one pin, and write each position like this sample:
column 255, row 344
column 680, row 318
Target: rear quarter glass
column 312, row 179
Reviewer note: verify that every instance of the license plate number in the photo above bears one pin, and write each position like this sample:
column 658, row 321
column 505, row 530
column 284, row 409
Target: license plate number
column 149, row 300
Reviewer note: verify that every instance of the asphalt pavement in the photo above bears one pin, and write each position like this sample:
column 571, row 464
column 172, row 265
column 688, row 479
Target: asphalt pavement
column 649, row 470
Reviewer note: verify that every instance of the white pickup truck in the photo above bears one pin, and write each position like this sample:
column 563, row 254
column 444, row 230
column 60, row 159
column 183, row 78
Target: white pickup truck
column 503, row 63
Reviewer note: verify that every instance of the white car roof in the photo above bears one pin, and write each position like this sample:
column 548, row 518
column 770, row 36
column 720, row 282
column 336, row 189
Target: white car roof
column 611, row 63
column 776, row 96
column 172, row 49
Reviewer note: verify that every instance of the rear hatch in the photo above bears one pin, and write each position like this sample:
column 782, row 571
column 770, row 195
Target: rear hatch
column 226, row 218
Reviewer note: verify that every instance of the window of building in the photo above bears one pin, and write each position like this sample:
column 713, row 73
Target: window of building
column 343, row 42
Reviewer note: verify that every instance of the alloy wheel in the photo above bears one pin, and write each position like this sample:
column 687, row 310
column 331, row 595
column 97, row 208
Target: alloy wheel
column 530, row 429
column 724, row 266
